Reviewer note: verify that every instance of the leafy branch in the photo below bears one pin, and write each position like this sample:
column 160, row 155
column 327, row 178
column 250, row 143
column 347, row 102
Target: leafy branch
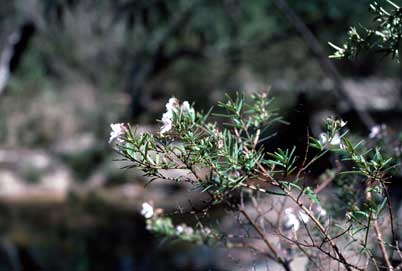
column 221, row 158
column 384, row 36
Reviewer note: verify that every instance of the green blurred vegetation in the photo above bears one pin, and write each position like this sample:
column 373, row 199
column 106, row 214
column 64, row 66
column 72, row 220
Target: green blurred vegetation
column 92, row 63
column 112, row 44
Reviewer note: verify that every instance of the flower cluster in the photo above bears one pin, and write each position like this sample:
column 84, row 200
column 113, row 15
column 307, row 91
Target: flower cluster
column 335, row 140
column 118, row 131
column 332, row 137
column 173, row 109
column 167, row 118
column 159, row 224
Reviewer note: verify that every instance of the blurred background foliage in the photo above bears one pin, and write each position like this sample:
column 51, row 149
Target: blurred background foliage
column 90, row 63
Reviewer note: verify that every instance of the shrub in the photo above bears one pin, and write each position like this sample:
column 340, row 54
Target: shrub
column 227, row 157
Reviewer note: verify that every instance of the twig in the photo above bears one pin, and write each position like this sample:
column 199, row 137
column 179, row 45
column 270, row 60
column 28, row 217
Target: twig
column 322, row 229
column 261, row 233
column 377, row 230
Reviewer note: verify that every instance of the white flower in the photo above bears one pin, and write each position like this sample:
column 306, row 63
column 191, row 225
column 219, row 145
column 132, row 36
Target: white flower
column 167, row 118
column 186, row 108
column 291, row 221
column 220, row 143
column 335, row 141
column 184, row 229
column 303, row 217
column 147, row 210
column 323, row 138
column 180, row 229
column 377, row 131
column 320, row 212
column 343, row 123
column 206, row 231
column 167, row 121
column 118, row 129
column 166, row 127
column 172, row 104
column 173, row 107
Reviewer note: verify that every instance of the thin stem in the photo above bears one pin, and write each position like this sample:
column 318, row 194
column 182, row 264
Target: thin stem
column 322, row 229
column 261, row 233
column 382, row 246
column 377, row 231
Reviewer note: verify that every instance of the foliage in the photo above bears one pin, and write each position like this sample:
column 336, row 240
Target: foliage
column 163, row 226
column 384, row 36
column 220, row 158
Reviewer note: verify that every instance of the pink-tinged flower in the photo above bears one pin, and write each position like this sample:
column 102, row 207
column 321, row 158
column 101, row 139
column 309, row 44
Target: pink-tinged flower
column 186, row 108
column 342, row 146
column 378, row 131
column 375, row 131
column 147, row 210
column 167, row 118
column 118, row 130
column 172, row 104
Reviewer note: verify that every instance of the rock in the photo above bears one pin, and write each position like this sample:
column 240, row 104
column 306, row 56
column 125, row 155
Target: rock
column 374, row 93
column 76, row 144
column 23, row 159
column 33, row 174
column 58, row 181
column 11, row 185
